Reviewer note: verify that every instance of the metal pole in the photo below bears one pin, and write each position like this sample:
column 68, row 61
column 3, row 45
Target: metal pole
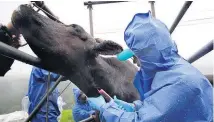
column 153, row 8
column 48, row 12
column 43, row 100
column 14, row 53
column 91, row 20
column 203, row 51
column 47, row 102
column 89, row 5
column 180, row 15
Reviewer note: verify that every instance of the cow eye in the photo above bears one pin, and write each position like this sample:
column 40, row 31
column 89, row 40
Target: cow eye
column 78, row 31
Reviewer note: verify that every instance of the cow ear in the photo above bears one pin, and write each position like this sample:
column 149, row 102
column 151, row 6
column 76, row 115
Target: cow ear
column 107, row 48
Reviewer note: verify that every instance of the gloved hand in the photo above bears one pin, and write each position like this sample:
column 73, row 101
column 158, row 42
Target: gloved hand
column 96, row 103
column 128, row 107
column 96, row 116
column 9, row 36
column 6, row 37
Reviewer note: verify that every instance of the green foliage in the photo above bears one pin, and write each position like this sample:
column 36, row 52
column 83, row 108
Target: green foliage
column 66, row 116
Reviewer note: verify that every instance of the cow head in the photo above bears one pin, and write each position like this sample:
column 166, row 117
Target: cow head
column 64, row 49
column 59, row 46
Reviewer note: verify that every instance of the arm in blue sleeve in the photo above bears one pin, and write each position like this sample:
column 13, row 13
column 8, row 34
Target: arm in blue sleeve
column 163, row 105
column 81, row 114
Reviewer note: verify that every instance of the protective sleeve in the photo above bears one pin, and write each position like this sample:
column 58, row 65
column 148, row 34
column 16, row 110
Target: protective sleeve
column 164, row 103
column 81, row 114
column 96, row 102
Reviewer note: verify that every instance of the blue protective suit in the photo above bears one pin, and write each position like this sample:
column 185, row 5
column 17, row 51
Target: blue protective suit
column 37, row 89
column 171, row 89
column 80, row 110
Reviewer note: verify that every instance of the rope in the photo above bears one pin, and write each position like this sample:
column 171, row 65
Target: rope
column 39, row 8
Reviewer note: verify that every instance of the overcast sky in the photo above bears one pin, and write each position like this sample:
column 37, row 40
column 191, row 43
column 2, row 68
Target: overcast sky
column 195, row 30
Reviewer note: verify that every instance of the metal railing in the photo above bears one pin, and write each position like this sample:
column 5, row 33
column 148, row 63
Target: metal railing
column 180, row 15
column 89, row 5
column 200, row 53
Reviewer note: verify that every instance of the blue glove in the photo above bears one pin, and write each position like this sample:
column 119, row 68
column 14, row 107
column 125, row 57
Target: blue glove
column 96, row 102
column 128, row 107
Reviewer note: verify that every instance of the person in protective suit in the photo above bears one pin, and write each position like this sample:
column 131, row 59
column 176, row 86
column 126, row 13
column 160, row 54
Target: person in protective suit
column 37, row 89
column 82, row 109
column 171, row 89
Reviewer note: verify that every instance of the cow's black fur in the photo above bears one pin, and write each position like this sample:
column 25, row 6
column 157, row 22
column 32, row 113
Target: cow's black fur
column 69, row 50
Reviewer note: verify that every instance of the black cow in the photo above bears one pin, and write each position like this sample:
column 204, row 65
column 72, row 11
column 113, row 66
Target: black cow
column 69, row 50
